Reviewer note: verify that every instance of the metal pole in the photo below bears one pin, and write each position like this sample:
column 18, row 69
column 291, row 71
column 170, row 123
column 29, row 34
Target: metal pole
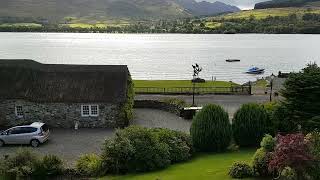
column 271, row 84
column 193, row 94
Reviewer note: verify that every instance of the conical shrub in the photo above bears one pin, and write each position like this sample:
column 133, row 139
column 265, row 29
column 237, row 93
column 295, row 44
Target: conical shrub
column 211, row 129
column 250, row 123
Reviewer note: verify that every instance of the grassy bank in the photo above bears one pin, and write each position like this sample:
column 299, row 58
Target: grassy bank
column 204, row 167
column 179, row 83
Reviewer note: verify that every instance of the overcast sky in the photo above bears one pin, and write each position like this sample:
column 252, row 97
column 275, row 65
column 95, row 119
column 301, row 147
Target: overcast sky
column 242, row 4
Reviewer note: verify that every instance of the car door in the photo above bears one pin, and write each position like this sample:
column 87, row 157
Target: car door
column 27, row 134
column 15, row 136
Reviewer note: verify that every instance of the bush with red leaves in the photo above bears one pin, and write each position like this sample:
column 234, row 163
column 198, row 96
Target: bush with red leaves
column 292, row 151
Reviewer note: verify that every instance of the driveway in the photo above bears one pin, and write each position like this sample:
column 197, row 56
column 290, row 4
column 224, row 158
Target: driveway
column 68, row 143
column 231, row 103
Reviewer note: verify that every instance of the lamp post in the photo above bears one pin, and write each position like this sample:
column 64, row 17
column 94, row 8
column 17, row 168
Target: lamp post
column 271, row 85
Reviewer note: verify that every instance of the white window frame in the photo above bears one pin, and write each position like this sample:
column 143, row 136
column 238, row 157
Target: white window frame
column 19, row 114
column 90, row 110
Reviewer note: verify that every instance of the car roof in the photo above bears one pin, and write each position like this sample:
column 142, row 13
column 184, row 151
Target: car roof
column 37, row 124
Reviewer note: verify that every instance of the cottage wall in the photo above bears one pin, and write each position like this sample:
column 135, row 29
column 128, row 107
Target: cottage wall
column 62, row 115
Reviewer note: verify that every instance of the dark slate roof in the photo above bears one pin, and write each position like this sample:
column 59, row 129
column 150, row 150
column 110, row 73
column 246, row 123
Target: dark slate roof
column 33, row 81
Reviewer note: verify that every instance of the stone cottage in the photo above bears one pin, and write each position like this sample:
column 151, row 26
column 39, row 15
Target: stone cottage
column 62, row 95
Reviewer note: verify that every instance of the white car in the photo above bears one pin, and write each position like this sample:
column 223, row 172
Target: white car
column 33, row 134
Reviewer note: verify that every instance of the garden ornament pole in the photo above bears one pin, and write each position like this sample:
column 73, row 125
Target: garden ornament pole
column 196, row 70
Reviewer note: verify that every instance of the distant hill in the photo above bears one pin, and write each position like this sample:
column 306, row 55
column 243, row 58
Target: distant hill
column 99, row 10
column 282, row 3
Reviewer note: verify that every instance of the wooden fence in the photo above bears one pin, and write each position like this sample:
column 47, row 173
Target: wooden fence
column 241, row 90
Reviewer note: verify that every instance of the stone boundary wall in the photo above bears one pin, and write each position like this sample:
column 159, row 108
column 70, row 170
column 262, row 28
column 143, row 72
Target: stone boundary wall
column 153, row 104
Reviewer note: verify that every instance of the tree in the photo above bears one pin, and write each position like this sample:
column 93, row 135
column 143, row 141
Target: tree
column 302, row 95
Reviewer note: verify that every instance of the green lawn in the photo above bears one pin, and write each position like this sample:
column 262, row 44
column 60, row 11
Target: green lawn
column 179, row 83
column 263, row 13
column 202, row 167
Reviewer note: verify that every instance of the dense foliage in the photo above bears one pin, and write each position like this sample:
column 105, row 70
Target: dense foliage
column 268, row 143
column 180, row 144
column 211, row 129
column 138, row 149
column 302, row 97
column 240, row 170
column 89, row 165
column 24, row 164
column 260, row 162
column 250, row 123
column 126, row 112
column 49, row 165
column 291, row 24
column 291, row 151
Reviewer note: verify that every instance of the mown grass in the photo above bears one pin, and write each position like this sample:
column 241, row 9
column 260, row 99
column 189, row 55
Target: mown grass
column 212, row 25
column 263, row 13
column 179, row 83
column 203, row 166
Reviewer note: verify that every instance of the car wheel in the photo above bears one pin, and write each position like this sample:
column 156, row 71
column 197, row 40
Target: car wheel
column 34, row 143
column 1, row 143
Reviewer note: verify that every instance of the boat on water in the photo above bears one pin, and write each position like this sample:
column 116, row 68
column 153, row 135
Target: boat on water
column 233, row 60
column 255, row 70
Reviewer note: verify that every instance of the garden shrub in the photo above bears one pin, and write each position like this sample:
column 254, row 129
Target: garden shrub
column 313, row 124
column 292, row 151
column 20, row 164
column 268, row 143
column 288, row 174
column 89, row 165
column 251, row 122
column 260, row 162
column 49, row 165
column 281, row 119
column 126, row 109
column 135, row 149
column 180, row 145
column 117, row 154
column 240, row 170
column 211, row 129
column 313, row 139
column 175, row 101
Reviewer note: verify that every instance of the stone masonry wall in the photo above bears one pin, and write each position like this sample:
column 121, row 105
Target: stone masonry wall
column 62, row 115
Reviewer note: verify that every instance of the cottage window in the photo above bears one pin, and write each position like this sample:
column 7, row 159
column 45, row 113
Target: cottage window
column 89, row 110
column 19, row 111
column 94, row 110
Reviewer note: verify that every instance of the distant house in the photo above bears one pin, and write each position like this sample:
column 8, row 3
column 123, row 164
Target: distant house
column 63, row 95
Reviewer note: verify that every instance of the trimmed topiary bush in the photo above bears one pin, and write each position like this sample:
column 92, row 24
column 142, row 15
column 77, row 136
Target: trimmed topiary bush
column 89, row 165
column 240, row 170
column 211, row 129
column 250, row 123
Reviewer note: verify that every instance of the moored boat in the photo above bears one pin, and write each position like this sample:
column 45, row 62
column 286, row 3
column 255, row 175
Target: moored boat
column 233, row 60
column 255, row 70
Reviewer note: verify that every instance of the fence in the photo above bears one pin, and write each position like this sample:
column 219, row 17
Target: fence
column 243, row 90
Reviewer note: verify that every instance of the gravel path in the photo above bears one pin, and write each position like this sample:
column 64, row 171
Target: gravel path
column 158, row 118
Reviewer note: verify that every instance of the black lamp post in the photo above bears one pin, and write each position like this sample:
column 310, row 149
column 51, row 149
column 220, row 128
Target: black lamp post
column 196, row 70
column 271, row 86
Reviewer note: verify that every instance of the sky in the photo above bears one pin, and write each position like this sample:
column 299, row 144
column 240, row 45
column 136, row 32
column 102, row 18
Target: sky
column 242, row 4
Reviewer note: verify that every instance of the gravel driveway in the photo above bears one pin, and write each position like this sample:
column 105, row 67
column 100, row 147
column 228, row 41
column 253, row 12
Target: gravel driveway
column 70, row 144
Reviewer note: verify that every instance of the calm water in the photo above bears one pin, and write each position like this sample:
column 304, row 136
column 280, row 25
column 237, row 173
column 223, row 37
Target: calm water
column 168, row 56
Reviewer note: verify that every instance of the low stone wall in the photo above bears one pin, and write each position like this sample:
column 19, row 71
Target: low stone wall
column 153, row 104
column 62, row 115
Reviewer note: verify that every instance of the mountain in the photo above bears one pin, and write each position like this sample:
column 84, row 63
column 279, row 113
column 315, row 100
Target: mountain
column 207, row 8
column 57, row 10
column 242, row 4
column 282, row 3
